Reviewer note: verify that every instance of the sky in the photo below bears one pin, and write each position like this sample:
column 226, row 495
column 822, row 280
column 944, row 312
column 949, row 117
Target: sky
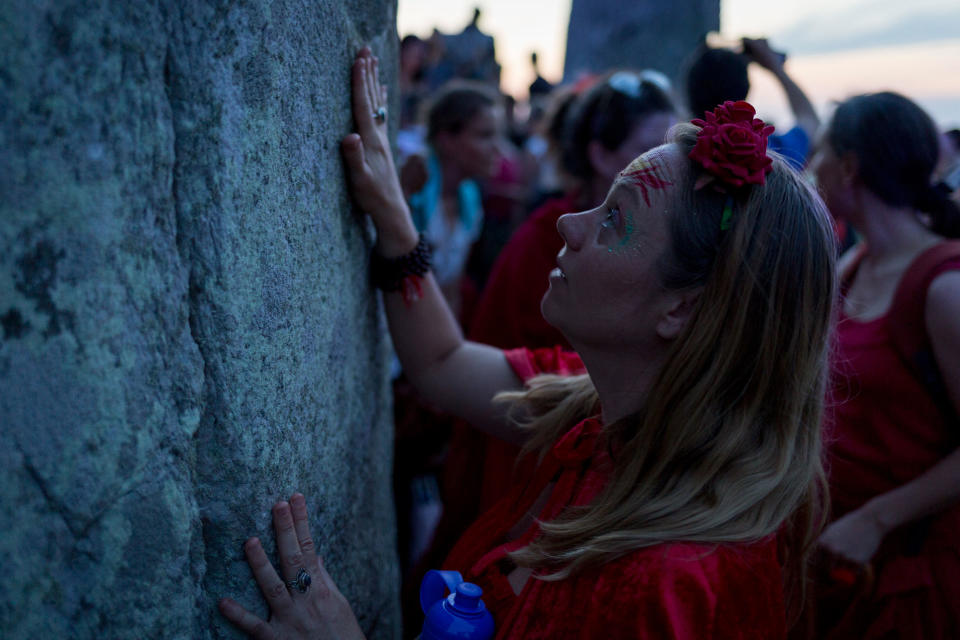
column 836, row 48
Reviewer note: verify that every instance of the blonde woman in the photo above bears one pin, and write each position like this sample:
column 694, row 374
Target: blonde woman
column 678, row 480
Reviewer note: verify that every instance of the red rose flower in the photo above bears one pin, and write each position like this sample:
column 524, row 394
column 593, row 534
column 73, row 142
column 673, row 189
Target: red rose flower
column 732, row 144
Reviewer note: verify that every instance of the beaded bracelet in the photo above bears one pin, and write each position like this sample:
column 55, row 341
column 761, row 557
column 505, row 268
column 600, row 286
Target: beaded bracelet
column 402, row 273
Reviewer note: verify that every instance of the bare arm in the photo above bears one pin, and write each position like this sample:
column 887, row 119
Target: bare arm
column 457, row 376
column 939, row 487
column 806, row 116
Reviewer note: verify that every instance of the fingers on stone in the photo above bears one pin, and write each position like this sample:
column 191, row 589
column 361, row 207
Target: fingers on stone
column 273, row 589
column 244, row 620
column 361, row 102
column 371, row 84
column 288, row 547
column 282, row 517
column 301, row 523
column 353, row 152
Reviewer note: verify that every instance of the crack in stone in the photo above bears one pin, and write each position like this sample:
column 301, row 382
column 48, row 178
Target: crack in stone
column 56, row 505
column 61, row 508
column 183, row 243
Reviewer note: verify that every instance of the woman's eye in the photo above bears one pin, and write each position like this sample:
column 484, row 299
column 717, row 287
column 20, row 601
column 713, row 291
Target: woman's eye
column 611, row 219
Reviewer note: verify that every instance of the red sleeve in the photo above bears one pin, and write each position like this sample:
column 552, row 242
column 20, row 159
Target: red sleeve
column 527, row 363
column 666, row 599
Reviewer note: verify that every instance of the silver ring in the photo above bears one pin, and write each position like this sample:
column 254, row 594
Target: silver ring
column 380, row 114
column 301, row 583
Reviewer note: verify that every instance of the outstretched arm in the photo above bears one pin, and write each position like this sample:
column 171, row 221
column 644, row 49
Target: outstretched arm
column 457, row 376
column 806, row 116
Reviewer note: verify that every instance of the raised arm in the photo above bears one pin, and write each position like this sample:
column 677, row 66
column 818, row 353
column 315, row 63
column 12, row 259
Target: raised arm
column 806, row 116
column 458, row 376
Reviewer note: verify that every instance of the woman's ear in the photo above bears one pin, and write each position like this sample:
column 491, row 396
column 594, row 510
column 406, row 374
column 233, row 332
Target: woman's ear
column 679, row 311
column 445, row 144
column 849, row 168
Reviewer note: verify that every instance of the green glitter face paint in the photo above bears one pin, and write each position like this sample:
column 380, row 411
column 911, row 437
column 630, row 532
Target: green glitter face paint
column 624, row 243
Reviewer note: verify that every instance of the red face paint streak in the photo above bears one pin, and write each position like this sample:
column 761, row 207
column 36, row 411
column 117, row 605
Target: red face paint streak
column 645, row 177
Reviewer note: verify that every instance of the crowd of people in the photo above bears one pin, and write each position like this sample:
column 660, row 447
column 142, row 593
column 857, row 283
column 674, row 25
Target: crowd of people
column 653, row 383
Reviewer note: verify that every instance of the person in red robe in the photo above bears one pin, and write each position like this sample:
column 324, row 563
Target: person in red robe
column 893, row 429
column 623, row 115
column 675, row 473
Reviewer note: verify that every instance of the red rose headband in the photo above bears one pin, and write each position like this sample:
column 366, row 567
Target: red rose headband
column 732, row 148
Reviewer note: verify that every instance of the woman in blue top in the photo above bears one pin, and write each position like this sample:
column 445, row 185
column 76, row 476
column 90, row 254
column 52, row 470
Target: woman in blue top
column 462, row 137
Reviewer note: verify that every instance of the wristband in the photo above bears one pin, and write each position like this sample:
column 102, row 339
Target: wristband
column 389, row 274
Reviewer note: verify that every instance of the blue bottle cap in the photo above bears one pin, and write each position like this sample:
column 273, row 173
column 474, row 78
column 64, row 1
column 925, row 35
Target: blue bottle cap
column 460, row 616
column 467, row 598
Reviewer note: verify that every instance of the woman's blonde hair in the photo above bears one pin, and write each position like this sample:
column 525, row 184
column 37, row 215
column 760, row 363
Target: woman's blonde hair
column 727, row 447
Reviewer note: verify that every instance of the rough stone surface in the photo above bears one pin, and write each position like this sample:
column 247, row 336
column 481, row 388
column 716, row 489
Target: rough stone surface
column 187, row 329
column 650, row 34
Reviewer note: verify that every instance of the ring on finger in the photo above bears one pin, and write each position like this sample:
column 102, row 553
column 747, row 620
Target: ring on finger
column 301, row 583
column 380, row 114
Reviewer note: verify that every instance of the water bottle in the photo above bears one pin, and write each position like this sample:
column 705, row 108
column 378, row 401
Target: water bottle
column 461, row 615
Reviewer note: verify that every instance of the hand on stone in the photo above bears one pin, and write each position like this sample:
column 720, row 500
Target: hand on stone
column 319, row 611
column 369, row 161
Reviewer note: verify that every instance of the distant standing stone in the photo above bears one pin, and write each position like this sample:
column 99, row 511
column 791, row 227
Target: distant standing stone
column 649, row 34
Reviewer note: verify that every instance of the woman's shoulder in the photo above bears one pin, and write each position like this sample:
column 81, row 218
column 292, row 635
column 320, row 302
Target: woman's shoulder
column 945, row 281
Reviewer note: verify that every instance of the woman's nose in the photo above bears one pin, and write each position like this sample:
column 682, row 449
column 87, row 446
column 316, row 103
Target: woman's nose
column 570, row 228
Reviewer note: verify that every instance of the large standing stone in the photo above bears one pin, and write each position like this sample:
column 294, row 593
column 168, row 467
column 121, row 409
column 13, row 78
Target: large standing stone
column 650, row 34
column 188, row 329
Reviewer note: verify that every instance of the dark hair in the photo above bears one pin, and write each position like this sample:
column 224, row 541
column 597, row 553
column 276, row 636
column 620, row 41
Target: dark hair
column 557, row 111
column 409, row 40
column 715, row 76
column 456, row 104
column 607, row 114
column 896, row 146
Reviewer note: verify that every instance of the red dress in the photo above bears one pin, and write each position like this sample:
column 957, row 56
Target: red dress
column 676, row 590
column 884, row 432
